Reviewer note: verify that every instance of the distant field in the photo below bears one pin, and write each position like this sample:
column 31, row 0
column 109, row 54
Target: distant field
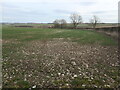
column 64, row 58
column 47, row 25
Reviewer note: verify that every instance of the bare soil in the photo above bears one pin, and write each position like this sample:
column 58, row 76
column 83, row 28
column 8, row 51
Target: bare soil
column 61, row 63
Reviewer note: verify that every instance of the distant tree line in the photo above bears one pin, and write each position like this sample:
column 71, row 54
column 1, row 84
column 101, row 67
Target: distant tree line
column 76, row 19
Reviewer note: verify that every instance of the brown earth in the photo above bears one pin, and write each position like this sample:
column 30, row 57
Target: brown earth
column 60, row 63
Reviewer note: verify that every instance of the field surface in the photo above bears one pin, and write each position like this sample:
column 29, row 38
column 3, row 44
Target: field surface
column 39, row 57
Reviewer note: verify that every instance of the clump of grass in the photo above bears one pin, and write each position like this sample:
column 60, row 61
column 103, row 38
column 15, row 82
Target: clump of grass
column 23, row 84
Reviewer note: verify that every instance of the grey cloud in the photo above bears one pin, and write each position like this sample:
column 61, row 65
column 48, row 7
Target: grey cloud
column 5, row 5
column 99, row 12
column 104, row 12
column 87, row 3
column 63, row 11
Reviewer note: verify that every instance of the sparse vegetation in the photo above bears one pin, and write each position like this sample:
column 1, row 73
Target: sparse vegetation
column 66, row 58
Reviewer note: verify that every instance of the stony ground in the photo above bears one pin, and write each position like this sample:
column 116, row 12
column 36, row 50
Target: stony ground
column 61, row 63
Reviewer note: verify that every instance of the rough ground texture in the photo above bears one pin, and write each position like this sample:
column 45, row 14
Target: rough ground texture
column 61, row 63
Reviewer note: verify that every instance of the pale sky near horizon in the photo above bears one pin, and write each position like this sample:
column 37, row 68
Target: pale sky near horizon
column 46, row 11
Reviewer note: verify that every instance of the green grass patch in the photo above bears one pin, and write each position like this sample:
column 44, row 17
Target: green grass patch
column 80, row 36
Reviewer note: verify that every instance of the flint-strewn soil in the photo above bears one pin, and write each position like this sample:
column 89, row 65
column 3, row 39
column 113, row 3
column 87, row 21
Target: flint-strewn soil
column 61, row 63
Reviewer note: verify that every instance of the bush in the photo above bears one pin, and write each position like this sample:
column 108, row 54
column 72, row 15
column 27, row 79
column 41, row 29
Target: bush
column 60, row 23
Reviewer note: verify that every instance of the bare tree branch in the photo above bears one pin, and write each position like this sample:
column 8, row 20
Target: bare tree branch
column 75, row 19
column 94, row 21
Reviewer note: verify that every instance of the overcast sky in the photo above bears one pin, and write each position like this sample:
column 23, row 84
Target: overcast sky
column 43, row 11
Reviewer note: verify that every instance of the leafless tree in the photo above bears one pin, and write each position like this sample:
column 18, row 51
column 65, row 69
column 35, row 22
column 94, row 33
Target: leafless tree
column 60, row 23
column 94, row 21
column 75, row 19
column 56, row 23
column 63, row 23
